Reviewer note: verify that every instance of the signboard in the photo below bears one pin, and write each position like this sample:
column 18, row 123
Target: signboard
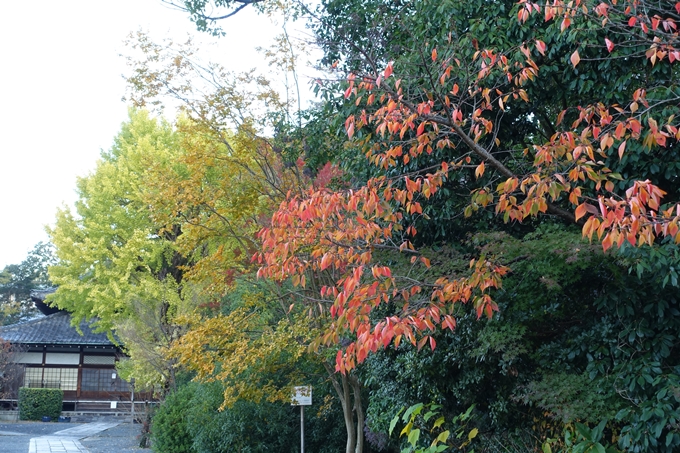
column 302, row 396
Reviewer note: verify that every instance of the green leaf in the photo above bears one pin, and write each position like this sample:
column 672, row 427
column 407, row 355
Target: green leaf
column 407, row 429
column 584, row 431
column 443, row 437
column 413, row 437
column 394, row 421
column 598, row 430
column 669, row 439
column 415, row 410
column 439, row 422
column 472, row 434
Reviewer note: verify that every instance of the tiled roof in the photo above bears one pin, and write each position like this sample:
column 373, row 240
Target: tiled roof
column 38, row 297
column 52, row 329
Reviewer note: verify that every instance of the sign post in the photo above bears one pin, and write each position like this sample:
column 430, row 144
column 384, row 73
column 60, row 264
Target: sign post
column 132, row 400
column 302, row 396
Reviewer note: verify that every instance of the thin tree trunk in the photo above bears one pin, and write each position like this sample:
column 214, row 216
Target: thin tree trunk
column 356, row 388
column 342, row 388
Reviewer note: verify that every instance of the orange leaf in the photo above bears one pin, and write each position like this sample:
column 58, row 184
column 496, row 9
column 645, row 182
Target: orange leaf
column 622, row 148
column 325, row 261
column 580, row 211
column 575, row 58
column 480, row 170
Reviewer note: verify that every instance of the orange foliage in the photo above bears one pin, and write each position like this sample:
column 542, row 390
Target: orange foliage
column 332, row 236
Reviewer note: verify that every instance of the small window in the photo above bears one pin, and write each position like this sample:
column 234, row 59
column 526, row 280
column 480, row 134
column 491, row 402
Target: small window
column 99, row 360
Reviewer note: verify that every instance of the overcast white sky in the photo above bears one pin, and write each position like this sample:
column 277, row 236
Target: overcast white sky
column 61, row 82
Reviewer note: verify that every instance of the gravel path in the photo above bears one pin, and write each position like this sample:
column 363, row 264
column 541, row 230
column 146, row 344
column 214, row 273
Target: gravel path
column 15, row 437
column 119, row 439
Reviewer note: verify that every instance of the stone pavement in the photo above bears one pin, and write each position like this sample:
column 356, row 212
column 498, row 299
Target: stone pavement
column 67, row 440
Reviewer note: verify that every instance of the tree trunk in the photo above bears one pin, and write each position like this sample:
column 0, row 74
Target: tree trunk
column 343, row 387
column 356, row 388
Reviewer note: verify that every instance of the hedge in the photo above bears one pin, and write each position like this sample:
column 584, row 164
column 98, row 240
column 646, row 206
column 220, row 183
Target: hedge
column 34, row 404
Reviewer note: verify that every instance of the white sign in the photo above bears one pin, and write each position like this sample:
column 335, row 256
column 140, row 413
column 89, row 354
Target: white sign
column 302, row 396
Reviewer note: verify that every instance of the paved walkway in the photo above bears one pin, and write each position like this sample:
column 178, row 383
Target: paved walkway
column 67, row 440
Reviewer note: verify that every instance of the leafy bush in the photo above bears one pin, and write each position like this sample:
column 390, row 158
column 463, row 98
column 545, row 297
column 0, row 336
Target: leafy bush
column 189, row 421
column 169, row 428
column 34, row 404
column 246, row 426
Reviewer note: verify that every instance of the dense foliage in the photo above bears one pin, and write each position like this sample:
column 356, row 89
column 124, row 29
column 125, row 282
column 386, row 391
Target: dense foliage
column 18, row 280
column 190, row 420
column 417, row 237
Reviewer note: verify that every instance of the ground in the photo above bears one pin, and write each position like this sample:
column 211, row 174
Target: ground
column 15, row 437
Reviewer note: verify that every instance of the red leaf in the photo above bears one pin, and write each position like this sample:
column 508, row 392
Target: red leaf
column 565, row 24
column 350, row 130
column 610, row 45
column 388, row 69
column 632, row 21
column 348, row 92
column 540, row 46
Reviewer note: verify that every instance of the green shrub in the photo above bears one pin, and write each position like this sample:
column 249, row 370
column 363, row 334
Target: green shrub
column 169, row 430
column 34, row 404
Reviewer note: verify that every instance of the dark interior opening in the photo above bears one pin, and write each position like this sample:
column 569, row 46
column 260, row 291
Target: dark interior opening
column 68, row 406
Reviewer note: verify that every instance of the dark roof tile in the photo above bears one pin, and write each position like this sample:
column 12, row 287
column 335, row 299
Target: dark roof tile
column 52, row 329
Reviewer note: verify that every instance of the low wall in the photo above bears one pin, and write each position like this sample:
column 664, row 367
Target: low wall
column 9, row 416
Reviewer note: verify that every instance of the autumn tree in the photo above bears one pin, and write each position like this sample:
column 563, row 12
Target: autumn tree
column 116, row 265
column 497, row 116
column 228, row 183
column 533, row 115
column 449, row 112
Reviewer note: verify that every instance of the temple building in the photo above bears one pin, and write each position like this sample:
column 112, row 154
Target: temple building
column 51, row 353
